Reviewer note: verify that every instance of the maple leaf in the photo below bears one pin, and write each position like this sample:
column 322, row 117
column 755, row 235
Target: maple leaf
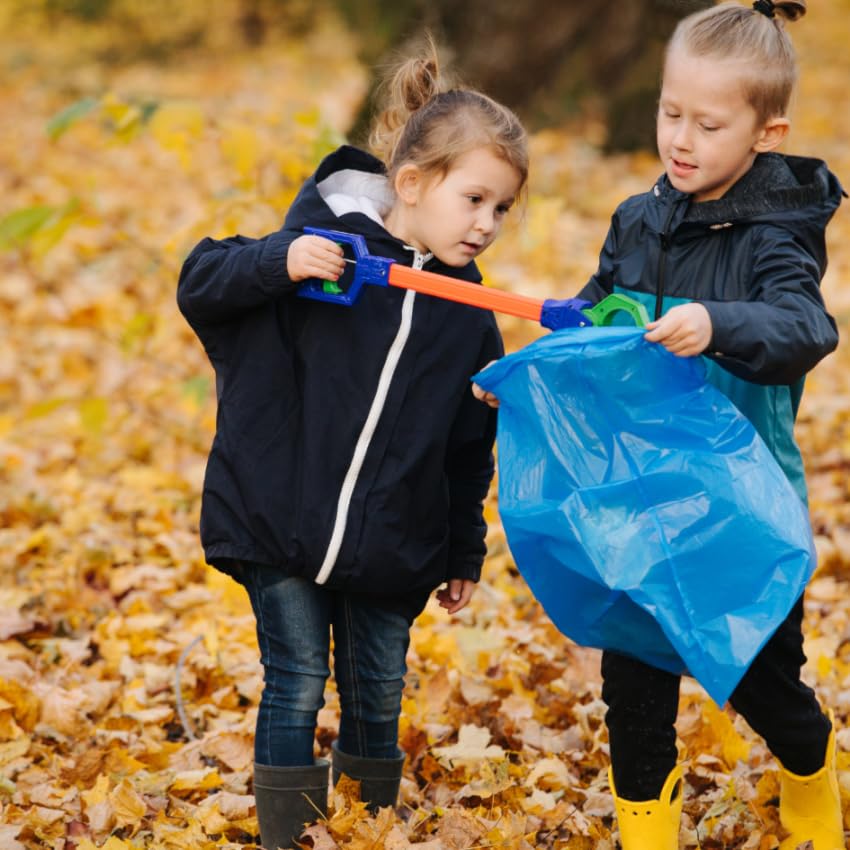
column 204, row 779
column 473, row 746
column 234, row 750
column 732, row 746
column 128, row 807
column 9, row 837
column 15, row 623
column 492, row 779
column 23, row 705
column 459, row 830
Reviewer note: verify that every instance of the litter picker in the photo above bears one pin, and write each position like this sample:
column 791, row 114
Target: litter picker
column 380, row 271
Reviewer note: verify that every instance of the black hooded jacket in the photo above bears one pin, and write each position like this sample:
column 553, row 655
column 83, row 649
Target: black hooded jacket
column 754, row 258
column 349, row 448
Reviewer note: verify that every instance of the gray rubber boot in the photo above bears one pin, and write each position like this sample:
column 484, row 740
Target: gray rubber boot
column 287, row 798
column 379, row 778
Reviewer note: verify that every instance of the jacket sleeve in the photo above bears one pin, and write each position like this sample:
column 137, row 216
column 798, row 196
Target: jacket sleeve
column 470, row 468
column 602, row 283
column 783, row 330
column 222, row 278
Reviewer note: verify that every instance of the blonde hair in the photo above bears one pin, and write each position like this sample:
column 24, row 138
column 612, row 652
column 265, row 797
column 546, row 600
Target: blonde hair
column 430, row 124
column 755, row 36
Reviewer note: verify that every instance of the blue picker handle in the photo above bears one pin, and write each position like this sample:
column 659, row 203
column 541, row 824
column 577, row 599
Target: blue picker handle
column 368, row 269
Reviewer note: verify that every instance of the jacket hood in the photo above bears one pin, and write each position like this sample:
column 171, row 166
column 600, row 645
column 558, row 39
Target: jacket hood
column 790, row 191
column 775, row 184
column 349, row 170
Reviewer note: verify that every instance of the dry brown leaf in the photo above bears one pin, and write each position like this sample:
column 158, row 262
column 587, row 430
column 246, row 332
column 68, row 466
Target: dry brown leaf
column 128, row 807
column 318, row 838
column 235, row 751
column 9, row 833
column 15, row 623
column 62, row 710
column 459, row 830
column 473, row 746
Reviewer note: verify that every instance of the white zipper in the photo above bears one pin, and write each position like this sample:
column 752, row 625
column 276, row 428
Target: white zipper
column 369, row 426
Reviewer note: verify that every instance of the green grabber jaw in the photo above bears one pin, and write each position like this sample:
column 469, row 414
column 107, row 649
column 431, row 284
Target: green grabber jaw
column 330, row 287
column 602, row 314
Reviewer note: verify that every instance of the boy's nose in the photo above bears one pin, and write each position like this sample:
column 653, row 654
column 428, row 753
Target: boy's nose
column 682, row 139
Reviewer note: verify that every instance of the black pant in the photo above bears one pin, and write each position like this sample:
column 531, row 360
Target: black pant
column 643, row 702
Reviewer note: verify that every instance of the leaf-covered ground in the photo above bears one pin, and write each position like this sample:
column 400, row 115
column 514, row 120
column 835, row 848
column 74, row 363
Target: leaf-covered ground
column 110, row 173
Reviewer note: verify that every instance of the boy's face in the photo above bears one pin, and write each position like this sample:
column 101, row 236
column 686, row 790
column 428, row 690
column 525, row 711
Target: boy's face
column 708, row 135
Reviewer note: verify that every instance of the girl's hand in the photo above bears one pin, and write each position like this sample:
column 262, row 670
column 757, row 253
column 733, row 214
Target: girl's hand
column 314, row 256
column 482, row 395
column 684, row 330
column 456, row 595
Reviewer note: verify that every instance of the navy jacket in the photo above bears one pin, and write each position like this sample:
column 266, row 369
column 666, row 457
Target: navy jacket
column 755, row 259
column 348, row 448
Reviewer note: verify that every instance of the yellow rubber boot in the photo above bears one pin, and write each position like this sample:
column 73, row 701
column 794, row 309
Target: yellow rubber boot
column 810, row 806
column 651, row 824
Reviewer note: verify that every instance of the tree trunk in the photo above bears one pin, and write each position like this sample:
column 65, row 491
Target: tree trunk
column 539, row 58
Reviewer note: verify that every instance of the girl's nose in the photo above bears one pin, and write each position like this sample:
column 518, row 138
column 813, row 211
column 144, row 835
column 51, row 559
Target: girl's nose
column 486, row 221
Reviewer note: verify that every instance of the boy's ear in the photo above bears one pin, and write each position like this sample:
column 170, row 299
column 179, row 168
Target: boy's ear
column 408, row 183
column 772, row 135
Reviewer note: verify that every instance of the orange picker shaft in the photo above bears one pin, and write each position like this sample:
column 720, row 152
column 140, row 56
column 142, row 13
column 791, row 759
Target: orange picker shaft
column 472, row 294
column 381, row 271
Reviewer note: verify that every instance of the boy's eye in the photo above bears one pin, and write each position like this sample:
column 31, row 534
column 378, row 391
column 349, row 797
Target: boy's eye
column 709, row 128
column 475, row 199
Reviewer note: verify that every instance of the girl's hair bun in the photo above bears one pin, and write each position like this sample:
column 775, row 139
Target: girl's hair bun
column 421, row 82
column 791, row 10
column 429, row 123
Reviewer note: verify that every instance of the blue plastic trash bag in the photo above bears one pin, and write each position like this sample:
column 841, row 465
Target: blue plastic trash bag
column 644, row 511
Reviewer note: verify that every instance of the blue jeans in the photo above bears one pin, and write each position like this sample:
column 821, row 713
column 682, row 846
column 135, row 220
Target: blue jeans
column 295, row 618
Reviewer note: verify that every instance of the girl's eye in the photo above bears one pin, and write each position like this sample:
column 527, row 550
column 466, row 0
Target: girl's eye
column 503, row 209
column 709, row 128
column 475, row 199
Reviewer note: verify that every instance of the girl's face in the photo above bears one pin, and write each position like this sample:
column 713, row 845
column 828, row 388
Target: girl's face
column 708, row 135
column 457, row 216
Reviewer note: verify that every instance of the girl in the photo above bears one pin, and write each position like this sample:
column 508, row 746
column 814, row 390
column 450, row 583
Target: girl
column 350, row 463
column 728, row 250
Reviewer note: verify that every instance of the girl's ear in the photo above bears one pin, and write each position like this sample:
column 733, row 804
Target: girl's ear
column 408, row 183
column 772, row 135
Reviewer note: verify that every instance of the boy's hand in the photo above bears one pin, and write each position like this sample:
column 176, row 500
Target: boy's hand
column 684, row 330
column 314, row 256
column 456, row 595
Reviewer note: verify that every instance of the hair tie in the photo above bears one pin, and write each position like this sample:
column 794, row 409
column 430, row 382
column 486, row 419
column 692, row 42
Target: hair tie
column 766, row 7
